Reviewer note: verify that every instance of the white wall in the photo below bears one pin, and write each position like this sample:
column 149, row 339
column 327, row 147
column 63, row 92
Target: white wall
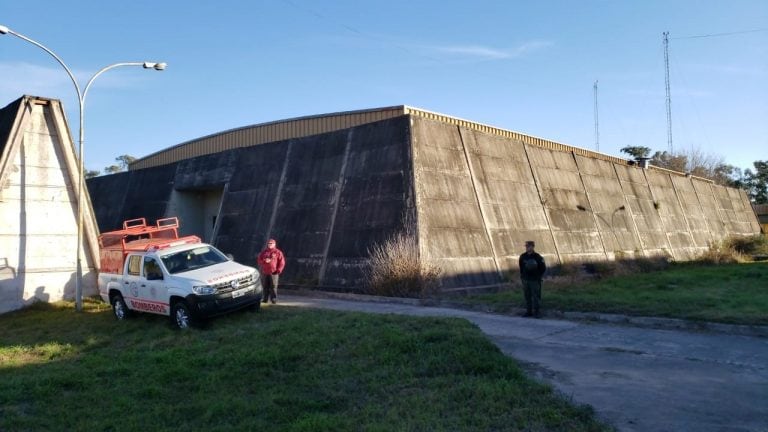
column 38, row 227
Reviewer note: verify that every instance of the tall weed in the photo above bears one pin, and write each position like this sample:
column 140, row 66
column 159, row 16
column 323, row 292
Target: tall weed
column 396, row 269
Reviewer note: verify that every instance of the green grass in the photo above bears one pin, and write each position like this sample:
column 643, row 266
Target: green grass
column 728, row 293
column 281, row 369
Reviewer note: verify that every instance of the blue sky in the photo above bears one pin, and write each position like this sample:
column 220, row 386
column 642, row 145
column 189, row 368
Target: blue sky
column 527, row 66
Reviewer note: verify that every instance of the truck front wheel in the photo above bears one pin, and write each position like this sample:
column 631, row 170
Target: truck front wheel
column 181, row 318
column 119, row 308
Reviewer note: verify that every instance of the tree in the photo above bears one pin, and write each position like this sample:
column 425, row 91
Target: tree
column 91, row 173
column 671, row 161
column 124, row 160
column 112, row 169
column 636, row 152
column 122, row 164
column 728, row 175
column 696, row 162
column 756, row 182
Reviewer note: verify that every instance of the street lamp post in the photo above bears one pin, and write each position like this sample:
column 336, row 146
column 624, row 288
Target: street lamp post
column 81, row 100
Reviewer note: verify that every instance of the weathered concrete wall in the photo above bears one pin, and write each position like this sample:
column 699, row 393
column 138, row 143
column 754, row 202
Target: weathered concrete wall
column 509, row 197
column 693, row 212
column 471, row 197
column 130, row 195
column 480, row 196
column 571, row 217
column 38, row 207
column 453, row 232
column 610, row 206
column 108, row 194
column 325, row 198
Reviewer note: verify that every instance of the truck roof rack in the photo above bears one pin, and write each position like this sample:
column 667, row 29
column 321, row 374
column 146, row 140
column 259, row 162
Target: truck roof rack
column 137, row 236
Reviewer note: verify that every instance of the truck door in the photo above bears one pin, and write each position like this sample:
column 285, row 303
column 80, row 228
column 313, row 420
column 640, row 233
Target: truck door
column 131, row 280
column 152, row 288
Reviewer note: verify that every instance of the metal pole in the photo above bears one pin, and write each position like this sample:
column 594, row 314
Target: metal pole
column 597, row 128
column 669, row 94
column 81, row 164
column 81, row 181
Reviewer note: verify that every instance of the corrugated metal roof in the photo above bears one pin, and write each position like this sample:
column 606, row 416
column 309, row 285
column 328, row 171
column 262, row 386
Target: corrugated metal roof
column 266, row 132
column 316, row 124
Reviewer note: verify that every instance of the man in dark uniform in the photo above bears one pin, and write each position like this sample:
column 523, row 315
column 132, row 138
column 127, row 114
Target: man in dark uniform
column 532, row 269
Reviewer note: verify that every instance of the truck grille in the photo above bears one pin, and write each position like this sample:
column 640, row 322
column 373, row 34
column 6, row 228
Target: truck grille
column 224, row 287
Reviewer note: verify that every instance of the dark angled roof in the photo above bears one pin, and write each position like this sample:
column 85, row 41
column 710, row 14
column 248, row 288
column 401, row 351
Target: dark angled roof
column 7, row 117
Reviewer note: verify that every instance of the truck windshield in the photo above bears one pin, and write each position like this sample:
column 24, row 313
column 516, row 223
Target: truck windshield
column 192, row 259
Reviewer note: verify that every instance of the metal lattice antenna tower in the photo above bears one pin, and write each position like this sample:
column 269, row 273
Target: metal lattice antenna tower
column 669, row 96
column 597, row 128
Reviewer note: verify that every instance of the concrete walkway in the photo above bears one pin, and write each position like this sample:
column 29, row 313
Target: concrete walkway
column 636, row 379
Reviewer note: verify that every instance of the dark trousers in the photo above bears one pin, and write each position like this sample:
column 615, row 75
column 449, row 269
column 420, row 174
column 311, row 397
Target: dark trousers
column 269, row 283
column 532, row 291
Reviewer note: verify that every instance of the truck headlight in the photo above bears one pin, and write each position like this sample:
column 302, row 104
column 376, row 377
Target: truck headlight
column 204, row 289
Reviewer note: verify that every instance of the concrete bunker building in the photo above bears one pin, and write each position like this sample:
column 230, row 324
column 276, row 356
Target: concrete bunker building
column 328, row 187
column 38, row 207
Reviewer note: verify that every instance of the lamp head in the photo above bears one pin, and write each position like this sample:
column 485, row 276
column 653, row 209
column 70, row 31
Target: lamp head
column 4, row 29
column 155, row 66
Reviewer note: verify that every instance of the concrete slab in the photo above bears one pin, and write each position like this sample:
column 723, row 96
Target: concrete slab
column 636, row 379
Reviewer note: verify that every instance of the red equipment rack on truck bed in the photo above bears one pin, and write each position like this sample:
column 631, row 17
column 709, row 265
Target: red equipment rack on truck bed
column 136, row 235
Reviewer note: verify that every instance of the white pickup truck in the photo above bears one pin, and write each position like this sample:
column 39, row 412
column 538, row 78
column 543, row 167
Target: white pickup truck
column 151, row 269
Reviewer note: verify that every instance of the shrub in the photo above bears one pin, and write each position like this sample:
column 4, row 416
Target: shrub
column 721, row 252
column 396, row 270
column 751, row 245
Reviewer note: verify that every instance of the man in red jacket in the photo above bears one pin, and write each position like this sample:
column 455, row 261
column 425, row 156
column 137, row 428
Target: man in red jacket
column 271, row 262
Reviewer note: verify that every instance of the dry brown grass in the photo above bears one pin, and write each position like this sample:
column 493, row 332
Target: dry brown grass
column 579, row 273
column 396, row 269
column 737, row 249
column 722, row 252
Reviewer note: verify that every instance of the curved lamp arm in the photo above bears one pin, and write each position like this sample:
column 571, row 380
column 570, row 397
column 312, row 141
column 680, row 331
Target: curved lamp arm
column 6, row 30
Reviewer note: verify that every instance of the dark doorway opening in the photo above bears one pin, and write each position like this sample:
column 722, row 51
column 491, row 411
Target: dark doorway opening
column 197, row 210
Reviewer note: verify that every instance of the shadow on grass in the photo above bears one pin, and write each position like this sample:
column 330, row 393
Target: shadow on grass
column 280, row 369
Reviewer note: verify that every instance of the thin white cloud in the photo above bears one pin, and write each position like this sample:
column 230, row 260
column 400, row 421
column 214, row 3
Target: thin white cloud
column 20, row 78
column 481, row 52
column 475, row 51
